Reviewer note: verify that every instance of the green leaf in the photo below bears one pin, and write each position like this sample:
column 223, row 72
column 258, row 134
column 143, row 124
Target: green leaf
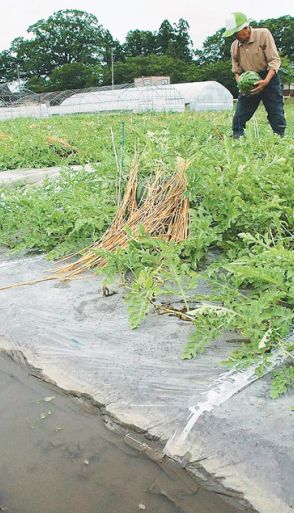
column 138, row 307
column 283, row 380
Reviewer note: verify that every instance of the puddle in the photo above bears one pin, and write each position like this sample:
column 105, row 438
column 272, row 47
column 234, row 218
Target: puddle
column 58, row 456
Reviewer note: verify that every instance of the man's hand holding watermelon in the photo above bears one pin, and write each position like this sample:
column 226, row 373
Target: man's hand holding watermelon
column 260, row 85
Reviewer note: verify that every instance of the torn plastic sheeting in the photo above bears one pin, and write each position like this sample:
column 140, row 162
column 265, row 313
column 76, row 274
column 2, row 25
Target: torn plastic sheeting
column 83, row 341
column 220, row 391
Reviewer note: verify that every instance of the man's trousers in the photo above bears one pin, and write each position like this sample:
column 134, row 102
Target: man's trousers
column 273, row 101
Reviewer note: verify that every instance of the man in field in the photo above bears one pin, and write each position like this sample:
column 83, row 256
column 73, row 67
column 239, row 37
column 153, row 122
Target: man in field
column 254, row 49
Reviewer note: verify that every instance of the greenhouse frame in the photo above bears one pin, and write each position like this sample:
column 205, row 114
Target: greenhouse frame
column 193, row 96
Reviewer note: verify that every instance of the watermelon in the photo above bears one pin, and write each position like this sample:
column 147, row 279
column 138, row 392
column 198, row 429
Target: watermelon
column 246, row 82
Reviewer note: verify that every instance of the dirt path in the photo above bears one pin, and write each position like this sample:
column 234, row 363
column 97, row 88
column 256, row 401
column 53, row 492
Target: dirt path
column 57, row 456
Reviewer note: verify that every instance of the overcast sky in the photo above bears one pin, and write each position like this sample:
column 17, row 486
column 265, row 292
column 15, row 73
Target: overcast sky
column 120, row 16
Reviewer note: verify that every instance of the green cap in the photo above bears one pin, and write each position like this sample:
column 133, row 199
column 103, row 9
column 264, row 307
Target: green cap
column 235, row 22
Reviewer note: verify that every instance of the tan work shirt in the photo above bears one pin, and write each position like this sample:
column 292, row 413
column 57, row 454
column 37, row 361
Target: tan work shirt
column 258, row 54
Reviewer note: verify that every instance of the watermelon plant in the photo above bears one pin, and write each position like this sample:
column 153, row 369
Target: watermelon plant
column 241, row 220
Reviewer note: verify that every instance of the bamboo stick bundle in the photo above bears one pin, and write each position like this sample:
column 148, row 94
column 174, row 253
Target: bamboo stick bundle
column 163, row 214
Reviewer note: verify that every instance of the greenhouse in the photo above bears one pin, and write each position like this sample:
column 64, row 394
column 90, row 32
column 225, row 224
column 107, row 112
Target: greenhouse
column 194, row 96
column 134, row 99
column 205, row 96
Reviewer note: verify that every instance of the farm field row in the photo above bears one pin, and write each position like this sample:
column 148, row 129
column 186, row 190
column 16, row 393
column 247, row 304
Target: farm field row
column 241, row 212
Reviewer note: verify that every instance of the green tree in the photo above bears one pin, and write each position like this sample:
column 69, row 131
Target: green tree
column 112, row 49
column 66, row 37
column 29, row 58
column 134, row 67
column 71, row 36
column 8, row 66
column 37, row 84
column 174, row 40
column 75, row 76
column 165, row 38
column 139, row 42
column 215, row 48
column 182, row 46
column 287, row 72
column 282, row 29
column 166, row 65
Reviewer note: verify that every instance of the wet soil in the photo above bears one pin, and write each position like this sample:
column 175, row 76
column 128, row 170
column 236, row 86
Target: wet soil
column 59, row 454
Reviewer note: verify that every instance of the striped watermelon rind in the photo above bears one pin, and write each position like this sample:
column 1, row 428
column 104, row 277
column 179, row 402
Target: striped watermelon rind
column 246, row 82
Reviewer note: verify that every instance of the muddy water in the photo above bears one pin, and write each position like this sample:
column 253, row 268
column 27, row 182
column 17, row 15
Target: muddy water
column 58, row 456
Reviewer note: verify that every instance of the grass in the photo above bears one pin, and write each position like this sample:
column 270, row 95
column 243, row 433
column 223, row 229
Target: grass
column 27, row 143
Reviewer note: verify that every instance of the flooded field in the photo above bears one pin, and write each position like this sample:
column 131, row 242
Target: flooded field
column 58, row 456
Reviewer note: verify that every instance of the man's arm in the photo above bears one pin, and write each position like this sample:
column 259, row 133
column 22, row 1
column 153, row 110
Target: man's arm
column 236, row 68
column 274, row 62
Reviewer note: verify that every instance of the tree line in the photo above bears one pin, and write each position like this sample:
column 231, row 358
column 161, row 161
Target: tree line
column 71, row 50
